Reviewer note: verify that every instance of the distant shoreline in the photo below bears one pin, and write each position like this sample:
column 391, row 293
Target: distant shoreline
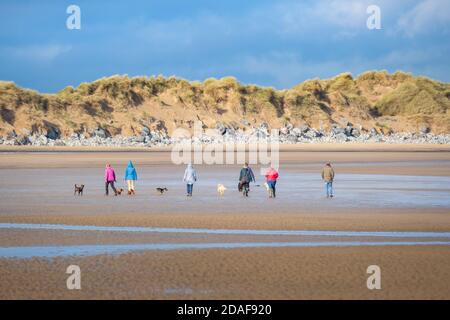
column 320, row 147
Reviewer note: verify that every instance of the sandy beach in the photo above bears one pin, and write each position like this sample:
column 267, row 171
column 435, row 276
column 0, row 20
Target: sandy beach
column 399, row 194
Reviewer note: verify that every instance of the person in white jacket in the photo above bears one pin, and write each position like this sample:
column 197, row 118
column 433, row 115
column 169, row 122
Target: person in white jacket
column 190, row 176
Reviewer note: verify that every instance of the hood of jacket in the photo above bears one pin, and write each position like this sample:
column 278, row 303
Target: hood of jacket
column 130, row 172
column 190, row 175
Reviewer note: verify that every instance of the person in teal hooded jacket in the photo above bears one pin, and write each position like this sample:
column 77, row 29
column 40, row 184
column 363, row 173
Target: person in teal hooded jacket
column 130, row 177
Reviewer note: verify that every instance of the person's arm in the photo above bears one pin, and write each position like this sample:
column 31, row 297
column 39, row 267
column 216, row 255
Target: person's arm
column 195, row 175
column 332, row 174
column 323, row 173
column 185, row 174
column 114, row 175
column 252, row 175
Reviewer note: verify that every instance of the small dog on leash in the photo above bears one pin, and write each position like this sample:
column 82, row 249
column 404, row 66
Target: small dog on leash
column 162, row 190
column 78, row 189
column 119, row 191
column 221, row 189
column 266, row 186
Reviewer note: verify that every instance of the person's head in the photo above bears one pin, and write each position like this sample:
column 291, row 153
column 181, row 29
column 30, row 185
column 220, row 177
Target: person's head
column 108, row 165
column 189, row 165
column 130, row 164
column 246, row 165
column 328, row 164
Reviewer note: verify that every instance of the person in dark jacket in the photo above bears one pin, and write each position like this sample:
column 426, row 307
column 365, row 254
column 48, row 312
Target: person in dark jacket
column 245, row 177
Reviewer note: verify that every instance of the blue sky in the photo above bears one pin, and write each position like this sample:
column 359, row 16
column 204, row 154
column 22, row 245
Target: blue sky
column 271, row 43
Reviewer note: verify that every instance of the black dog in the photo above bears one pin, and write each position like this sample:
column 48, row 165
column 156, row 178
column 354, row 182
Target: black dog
column 79, row 190
column 161, row 190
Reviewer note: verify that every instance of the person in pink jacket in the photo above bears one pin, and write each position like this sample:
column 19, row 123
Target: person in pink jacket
column 110, row 178
column 271, row 180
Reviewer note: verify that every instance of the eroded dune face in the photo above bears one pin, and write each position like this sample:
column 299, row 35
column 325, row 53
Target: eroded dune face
column 120, row 105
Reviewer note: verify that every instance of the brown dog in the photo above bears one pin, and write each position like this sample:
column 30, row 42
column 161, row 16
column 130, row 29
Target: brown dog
column 119, row 191
column 78, row 190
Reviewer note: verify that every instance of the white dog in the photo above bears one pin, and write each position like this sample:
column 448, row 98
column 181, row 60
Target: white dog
column 266, row 186
column 221, row 189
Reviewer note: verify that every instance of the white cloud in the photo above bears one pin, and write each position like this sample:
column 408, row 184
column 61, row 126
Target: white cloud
column 345, row 16
column 286, row 69
column 289, row 69
column 185, row 33
column 38, row 53
column 411, row 57
column 426, row 16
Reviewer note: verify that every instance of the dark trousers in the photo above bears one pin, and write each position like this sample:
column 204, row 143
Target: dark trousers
column 189, row 188
column 112, row 186
column 244, row 186
column 272, row 185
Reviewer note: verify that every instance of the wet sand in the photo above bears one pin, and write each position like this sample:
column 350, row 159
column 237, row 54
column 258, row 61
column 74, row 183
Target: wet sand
column 261, row 273
column 403, row 189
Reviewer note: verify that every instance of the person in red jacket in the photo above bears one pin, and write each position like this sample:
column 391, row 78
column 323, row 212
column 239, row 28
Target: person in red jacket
column 271, row 180
column 110, row 178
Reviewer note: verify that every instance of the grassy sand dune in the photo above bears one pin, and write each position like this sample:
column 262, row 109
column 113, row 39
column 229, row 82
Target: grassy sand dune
column 123, row 105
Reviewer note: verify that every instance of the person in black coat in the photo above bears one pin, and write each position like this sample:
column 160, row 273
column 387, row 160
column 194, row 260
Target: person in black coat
column 245, row 177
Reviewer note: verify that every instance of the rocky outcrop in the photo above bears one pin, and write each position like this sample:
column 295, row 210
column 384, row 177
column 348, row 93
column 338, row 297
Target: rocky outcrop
column 287, row 134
